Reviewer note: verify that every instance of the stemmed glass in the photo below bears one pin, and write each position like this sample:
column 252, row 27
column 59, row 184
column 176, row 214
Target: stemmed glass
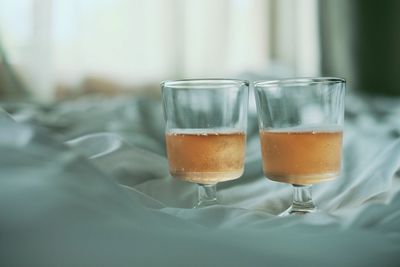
column 206, row 122
column 301, row 125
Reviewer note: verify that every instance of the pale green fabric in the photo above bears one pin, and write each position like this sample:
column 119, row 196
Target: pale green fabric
column 63, row 202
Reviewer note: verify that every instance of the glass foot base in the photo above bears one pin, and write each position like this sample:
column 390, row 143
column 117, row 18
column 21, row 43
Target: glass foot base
column 203, row 204
column 302, row 201
column 298, row 210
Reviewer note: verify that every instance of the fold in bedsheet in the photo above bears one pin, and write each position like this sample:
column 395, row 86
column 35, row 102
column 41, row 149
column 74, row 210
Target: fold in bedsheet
column 61, row 205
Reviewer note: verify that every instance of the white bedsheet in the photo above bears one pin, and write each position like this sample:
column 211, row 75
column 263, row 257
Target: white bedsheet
column 63, row 206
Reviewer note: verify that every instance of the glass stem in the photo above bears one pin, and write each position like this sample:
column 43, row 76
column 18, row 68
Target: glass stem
column 302, row 199
column 207, row 195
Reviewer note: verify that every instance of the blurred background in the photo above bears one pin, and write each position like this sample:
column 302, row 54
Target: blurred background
column 58, row 49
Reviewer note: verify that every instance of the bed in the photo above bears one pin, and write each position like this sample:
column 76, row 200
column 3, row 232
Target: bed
column 85, row 183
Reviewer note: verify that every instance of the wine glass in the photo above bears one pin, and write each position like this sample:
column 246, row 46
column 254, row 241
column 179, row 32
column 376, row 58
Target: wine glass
column 301, row 126
column 206, row 122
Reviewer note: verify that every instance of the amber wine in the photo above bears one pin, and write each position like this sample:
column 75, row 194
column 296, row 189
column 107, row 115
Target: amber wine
column 206, row 157
column 301, row 157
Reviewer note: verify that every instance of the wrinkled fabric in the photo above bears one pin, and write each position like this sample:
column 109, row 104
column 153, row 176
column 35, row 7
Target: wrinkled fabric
column 86, row 183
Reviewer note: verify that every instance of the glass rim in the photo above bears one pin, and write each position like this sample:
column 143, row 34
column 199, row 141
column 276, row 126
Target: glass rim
column 204, row 83
column 301, row 81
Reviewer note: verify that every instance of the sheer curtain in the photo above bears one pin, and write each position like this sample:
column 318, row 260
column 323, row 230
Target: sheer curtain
column 137, row 42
